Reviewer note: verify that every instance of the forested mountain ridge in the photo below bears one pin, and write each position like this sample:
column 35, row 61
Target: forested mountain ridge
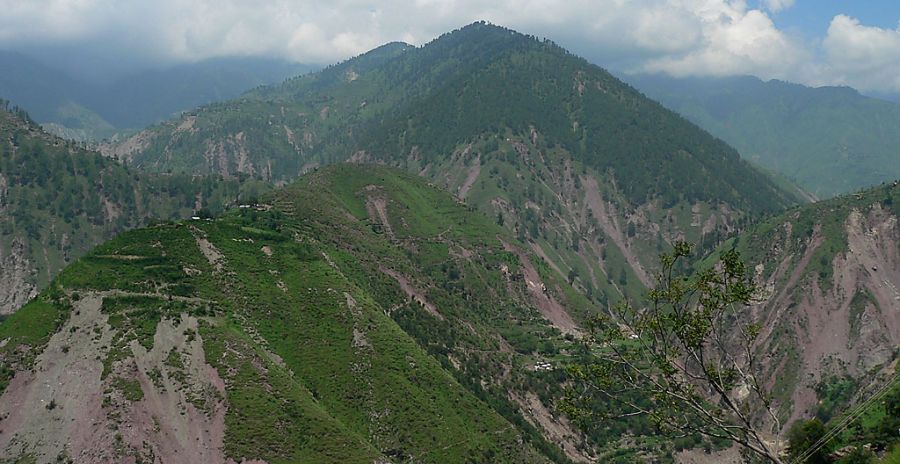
column 597, row 178
column 830, row 140
column 358, row 315
column 500, row 81
column 57, row 201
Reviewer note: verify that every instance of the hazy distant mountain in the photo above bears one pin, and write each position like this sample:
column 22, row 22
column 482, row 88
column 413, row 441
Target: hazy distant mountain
column 89, row 110
column 830, row 140
column 40, row 89
column 159, row 94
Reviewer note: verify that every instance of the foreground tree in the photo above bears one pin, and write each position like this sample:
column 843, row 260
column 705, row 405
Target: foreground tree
column 802, row 436
column 686, row 361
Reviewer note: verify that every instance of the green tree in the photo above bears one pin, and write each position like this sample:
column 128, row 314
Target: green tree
column 686, row 361
column 888, row 429
column 802, row 436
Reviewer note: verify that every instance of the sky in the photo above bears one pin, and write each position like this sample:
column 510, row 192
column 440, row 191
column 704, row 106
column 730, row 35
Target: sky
column 814, row 42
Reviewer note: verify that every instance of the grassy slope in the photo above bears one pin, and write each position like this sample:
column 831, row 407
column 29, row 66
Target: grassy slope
column 310, row 374
column 491, row 332
column 455, row 258
column 345, row 399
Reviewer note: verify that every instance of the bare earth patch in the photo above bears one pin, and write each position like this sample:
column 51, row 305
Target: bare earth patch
column 210, row 252
column 64, row 407
column 359, row 335
column 611, row 228
column 126, row 149
column 45, row 411
column 187, row 125
column 558, row 429
column 698, row 456
column 123, row 257
column 831, row 337
column 551, row 309
column 414, row 293
column 376, row 206
column 471, row 177
column 15, row 276
column 182, row 414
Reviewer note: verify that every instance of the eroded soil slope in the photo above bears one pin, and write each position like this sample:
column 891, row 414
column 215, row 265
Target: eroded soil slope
column 831, row 307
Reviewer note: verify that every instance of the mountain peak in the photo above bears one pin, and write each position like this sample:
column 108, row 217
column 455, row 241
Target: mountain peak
column 390, row 47
column 484, row 34
column 483, row 25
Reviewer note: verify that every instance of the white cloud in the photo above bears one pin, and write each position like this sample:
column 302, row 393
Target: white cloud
column 51, row 19
column 778, row 5
column 681, row 37
column 735, row 40
column 862, row 56
column 312, row 30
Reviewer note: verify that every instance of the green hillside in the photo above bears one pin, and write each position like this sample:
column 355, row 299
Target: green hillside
column 830, row 140
column 361, row 313
column 357, row 315
column 57, row 201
